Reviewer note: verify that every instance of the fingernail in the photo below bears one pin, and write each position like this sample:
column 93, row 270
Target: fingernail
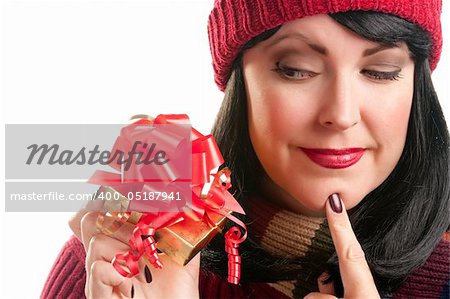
column 335, row 203
column 132, row 291
column 324, row 278
column 148, row 274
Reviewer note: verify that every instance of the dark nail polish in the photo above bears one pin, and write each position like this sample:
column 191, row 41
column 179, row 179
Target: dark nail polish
column 132, row 291
column 148, row 274
column 335, row 203
column 325, row 278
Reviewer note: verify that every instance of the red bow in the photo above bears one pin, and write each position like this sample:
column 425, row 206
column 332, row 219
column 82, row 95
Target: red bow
column 208, row 187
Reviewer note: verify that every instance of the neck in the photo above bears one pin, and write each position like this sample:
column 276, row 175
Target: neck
column 277, row 195
column 286, row 234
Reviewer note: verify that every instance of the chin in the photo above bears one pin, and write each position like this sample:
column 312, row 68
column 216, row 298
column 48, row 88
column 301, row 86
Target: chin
column 314, row 204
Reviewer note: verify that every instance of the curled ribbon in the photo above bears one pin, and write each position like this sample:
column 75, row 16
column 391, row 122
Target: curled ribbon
column 232, row 241
column 141, row 243
column 209, row 188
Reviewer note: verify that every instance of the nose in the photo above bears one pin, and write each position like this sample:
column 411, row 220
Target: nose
column 340, row 108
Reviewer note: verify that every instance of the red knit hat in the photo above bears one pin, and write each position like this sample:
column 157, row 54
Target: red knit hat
column 232, row 23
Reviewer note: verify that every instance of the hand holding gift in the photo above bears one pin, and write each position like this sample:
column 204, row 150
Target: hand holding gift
column 134, row 228
column 103, row 281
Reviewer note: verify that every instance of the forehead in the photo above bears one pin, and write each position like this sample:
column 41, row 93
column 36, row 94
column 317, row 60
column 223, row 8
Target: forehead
column 326, row 36
column 318, row 29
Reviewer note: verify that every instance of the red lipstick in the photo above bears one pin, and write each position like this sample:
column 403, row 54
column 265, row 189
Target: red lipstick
column 334, row 158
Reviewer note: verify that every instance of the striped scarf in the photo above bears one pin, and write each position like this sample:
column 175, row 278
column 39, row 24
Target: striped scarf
column 286, row 234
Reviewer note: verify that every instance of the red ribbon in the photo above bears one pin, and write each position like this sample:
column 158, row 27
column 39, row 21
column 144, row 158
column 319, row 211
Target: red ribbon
column 141, row 243
column 232, row 241
column 209, row 190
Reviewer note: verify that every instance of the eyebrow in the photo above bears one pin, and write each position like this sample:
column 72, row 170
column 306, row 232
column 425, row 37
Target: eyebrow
column 297, row 35
column 323, row 51
column 379, row 48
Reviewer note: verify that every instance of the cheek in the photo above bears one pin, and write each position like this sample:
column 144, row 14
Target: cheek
column 265, row 124
column 389, row 120
column 274, row 108
column 388, row 125
column 274, row 120
column 265, row 109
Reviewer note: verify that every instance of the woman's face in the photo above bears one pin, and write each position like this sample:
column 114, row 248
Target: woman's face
column 328, row 111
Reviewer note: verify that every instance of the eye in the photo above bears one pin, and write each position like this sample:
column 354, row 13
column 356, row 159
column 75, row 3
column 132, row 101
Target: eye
column 382, row 76
column 292, row 73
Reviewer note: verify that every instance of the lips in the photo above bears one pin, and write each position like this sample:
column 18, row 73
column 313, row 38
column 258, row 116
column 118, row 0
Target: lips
column 334, row 158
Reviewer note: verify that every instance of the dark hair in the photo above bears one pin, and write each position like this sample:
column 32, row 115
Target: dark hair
column 408, row 211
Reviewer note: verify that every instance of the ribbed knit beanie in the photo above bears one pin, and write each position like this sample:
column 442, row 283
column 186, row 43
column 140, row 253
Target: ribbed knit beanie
column 232, row 23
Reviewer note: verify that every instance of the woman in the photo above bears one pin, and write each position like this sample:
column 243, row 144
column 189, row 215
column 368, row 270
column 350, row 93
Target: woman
column 328, row 107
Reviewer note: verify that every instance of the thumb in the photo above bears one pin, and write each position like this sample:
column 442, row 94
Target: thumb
column 325, row 287
column 75, row 220
column 105, row 282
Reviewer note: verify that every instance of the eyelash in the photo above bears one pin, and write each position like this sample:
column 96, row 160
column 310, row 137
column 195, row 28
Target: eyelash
column 283, row 70
column 390, row 76
column 288, row 73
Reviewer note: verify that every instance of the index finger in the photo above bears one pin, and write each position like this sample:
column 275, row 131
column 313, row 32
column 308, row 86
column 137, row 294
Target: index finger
column 75, row 220
column 355, row 272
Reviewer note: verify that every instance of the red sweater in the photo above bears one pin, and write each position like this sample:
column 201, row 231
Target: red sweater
column 67, row 278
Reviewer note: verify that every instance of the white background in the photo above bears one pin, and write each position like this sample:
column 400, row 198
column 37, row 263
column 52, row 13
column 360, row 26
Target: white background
column 101, row 62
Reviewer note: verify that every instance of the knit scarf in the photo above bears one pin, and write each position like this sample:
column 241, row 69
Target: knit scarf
column 287, row 234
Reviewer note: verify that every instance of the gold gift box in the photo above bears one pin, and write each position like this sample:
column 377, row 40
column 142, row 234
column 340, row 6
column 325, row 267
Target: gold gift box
column 181, row 241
